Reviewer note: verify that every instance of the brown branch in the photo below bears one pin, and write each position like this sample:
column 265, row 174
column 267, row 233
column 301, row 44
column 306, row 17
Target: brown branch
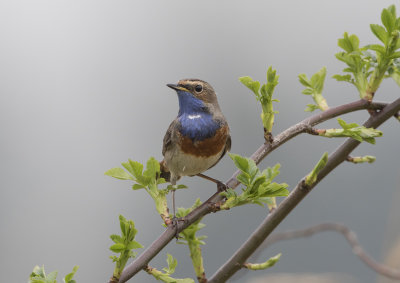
column 350, row 236
column 288, row 204
column 144, row 258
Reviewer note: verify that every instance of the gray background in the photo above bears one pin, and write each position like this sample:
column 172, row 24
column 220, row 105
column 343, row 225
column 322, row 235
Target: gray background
column 82, row 88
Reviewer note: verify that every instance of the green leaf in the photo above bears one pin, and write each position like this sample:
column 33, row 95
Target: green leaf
column 172, row 263
column 69, row 277
column 346, row 78
column 308, row 91
column 312, row 176
column 376, row 47
column 363, row 159
column 258, row 186
column 137, row 168
column 134, row 245
column 318, row 80
column 257, row 183
column 264, row 95
column 38, row 275
column 152, row 168
column 137, row 187
column 311, row 107
column 116, row 238
column 264, row 91
column 395, row 55
column 388, row 19
column 261, row 266
column 349, row 43
column 355, row 42
column 303, row 79
column 369, row 134
column 380, row 33
column 272, row 172
column 123, row 245
column 123, row 225
column 185, row 280
column 392, row 10
column 38, row 271
column 118, row 247
column 396, row 76
column 52, row 276
column 352, row 130
column 240, row 162
column 118, row 173
column 244, row 178
column 344, row 125
column 315, row 87
column 128, row 167
column 276, row 190
column 254, row 86
column 271, row 75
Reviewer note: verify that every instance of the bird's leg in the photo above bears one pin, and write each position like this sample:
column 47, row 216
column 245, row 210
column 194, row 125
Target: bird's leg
column 173, row 205
column 174, row 218
column 220, row 186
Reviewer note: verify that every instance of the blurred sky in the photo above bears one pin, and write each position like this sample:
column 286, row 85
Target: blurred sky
column 82, row 89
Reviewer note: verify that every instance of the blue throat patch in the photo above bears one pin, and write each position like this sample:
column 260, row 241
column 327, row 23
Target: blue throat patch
column 196, row 122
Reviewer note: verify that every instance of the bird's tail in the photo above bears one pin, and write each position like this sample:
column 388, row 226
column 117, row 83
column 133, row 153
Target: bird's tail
column 164, row 171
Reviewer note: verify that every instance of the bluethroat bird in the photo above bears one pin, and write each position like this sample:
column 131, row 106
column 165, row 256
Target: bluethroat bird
column 198, row 138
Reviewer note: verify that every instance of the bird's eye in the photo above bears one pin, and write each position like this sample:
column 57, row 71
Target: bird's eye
column 198, row 88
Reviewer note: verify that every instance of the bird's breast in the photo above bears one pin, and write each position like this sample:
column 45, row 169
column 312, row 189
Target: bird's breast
column 198, row 126
column 210, row 146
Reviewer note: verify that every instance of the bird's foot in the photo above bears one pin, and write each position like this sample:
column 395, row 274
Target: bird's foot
column 220, row 186
column 175, row 220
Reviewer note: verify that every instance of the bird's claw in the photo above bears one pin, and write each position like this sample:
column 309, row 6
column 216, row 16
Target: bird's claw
column 175, row 220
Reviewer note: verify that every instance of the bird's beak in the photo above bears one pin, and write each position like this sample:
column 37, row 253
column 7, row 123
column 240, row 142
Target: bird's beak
column 177, row 87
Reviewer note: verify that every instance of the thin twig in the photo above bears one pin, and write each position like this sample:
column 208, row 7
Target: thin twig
column 231, row 266
column 350, row 236
column 144, row 258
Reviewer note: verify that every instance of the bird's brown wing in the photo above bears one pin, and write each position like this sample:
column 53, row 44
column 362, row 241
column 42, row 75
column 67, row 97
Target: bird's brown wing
column 167, row 141
column 227, row 147
column 167, row 144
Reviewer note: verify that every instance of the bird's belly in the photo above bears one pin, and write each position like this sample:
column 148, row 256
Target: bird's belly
column 183, row 164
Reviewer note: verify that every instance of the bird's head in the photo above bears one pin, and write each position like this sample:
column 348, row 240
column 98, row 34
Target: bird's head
column 195, row 96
